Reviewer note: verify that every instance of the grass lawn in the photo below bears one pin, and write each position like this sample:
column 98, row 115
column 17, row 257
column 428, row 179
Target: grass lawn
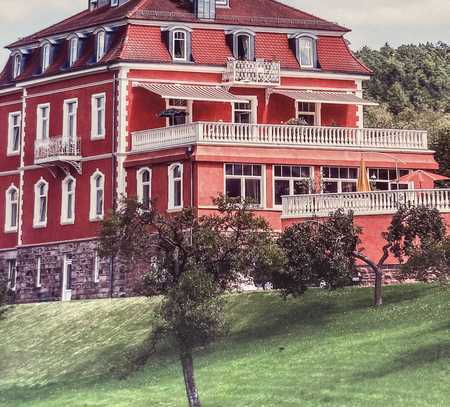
column 323, row 349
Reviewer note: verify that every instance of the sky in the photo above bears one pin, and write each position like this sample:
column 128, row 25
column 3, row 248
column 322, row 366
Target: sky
column 374, row 22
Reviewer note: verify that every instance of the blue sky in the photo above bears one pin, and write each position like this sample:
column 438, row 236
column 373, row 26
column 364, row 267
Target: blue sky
column 373, row 22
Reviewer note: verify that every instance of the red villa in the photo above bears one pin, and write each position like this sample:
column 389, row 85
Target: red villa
column 179, row 100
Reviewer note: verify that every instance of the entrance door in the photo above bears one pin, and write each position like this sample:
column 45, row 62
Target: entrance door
column 67, row 279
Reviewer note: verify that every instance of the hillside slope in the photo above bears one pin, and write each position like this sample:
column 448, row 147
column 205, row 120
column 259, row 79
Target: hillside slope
column 324, row 349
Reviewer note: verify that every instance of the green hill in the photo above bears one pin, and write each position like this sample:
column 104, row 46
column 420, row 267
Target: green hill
column 324, row 349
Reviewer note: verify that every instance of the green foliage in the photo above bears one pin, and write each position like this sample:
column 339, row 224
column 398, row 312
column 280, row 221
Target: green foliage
column 3, row 292
column 414, row 229
column 318, row 251
column 441, row 146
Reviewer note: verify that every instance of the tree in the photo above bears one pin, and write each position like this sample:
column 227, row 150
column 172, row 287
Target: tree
column 318, row 251
column 191, row 262
column 3, row 293
column 441, row 146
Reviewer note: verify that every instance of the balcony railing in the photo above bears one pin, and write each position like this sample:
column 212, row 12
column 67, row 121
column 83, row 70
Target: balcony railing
column 56, row 149
column 279, row 136
column 364, row 203
column 253, row 72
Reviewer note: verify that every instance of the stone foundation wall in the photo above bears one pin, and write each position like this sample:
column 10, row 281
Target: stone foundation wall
column 391, row 275
column 52, row 263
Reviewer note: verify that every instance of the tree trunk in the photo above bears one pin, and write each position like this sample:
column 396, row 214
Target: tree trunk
column 189, row 381
column 378, row 298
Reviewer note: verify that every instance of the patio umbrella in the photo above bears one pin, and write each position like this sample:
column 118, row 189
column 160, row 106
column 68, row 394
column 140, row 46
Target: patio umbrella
column 421, row 177
column 363, row 184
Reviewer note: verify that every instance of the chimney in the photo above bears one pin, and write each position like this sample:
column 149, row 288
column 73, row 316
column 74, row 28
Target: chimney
column 205, row 9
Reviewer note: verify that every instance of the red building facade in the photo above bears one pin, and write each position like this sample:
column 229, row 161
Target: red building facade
column 177, row 102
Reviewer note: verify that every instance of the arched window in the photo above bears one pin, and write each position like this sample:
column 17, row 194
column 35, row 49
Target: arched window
column 40, row 203
column 11, row 209
column 68, row 200
column 97, row 196
column 243, row 42
column 179, row 45
column 100, row 45
column 175, row 186
column 73, row 50
column 17, row 65
column 305, row 49
column 144, row 186
column 46, row 50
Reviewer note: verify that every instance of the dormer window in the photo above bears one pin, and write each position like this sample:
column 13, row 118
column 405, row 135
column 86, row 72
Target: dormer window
column 305, row 50
column 243, row 43
column 17, row 65
column 73, row 50
column 114, row 3
column 100, row 45
column 46, row 50
column 178, row 40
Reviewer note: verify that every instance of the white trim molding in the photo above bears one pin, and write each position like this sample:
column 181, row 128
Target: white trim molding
column 97, row 191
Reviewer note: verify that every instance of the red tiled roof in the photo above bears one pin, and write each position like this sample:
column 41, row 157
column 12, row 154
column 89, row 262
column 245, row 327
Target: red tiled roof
column 269, row 13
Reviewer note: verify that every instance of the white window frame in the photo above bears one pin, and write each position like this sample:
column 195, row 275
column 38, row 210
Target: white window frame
column 171, row 187
column 390, row 182
column 40, row 134
column 291, row 180
column 9, row 227
column 173, row 104
column 46, row 56
column 17, row 65
column 306, row 42
column 12, row 264
column 140, row 184
column 96, row 270
column 11, row 126
column 338, row 180
column 173, row 33
column 316, row 114
column 73, row 50
column 66, row 119
column 93, row 215
column 37, row 223
column 65, row 220
column 100, row 45
column 242, row 177
column 95, row 135
column 38, row 272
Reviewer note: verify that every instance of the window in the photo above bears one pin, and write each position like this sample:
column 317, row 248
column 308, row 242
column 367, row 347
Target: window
column 12, row 274
column 306, row 49
column 38, row 272
column 46, row 50
column 100, row 45
column 67, row 277
column 70, row 119
column 11, row 209
column 97, row 196
column 180, row 111
column 144, row 181
column 14, row 130
column 40, row 203
column 179, row 43
column 242, row 113
column 175, row 186
column 383, row 179
column 339, row 179
column 290, row 180
column 68, row 200
column 114, row 3
column 43, row 119
column 73, row 51
column 96, row 274
column 243, row 46
column 17, row 65
column 98, row 116
column 244, row 181
column 307, row 113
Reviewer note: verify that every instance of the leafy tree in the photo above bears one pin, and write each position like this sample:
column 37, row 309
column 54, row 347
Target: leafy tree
column 191, row 262
column 441, row 146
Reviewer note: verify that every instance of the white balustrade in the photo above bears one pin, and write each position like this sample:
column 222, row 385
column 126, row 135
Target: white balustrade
column 56, row 148
column 253, row 72
column 364, row 203
column 280, row 136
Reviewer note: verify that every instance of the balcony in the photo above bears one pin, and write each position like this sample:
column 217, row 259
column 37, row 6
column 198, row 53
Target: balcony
column 279, row 136
column 255, row 73
column 57, row 151
column 363, row 203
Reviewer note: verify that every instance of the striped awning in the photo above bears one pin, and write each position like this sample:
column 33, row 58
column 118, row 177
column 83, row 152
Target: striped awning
column 191, row 92
column 339, row 98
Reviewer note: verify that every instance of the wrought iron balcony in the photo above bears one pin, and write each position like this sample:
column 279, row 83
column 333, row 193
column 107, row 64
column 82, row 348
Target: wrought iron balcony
column 259, row 73
column 56, row 150
column 279, row 136
column 363, row 203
